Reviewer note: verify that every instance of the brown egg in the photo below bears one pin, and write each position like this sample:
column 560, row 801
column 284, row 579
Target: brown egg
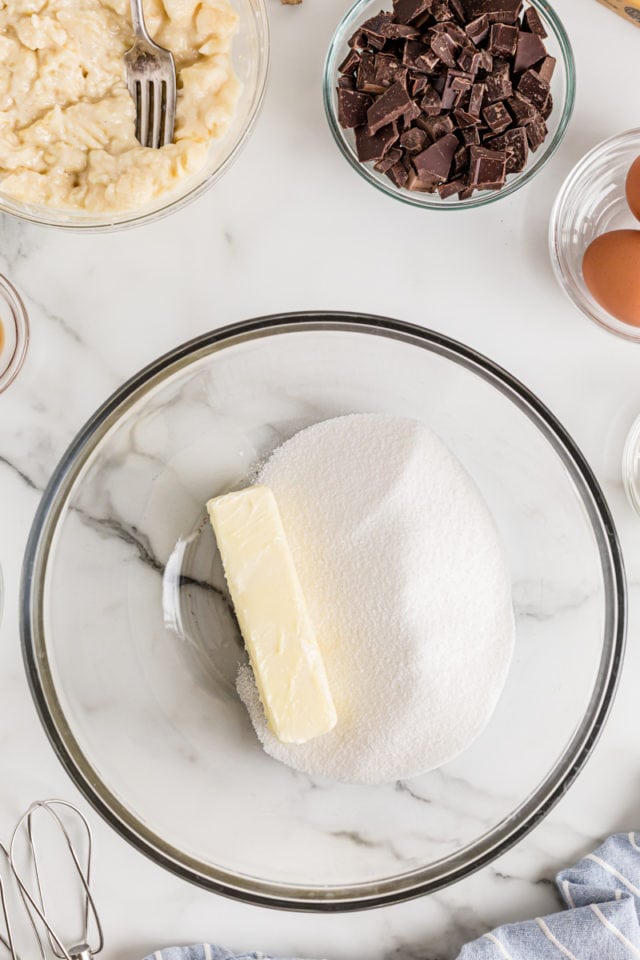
column 632, row 188
column 611, row 270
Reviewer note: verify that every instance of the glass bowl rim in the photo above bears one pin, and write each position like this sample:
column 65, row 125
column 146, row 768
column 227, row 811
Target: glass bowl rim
column 400, row 887
column 423, row 200
column 577, row 173
column 127, row 219
column 20, row 322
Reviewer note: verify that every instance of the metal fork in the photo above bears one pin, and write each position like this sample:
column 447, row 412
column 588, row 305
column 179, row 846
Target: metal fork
column 151, row 79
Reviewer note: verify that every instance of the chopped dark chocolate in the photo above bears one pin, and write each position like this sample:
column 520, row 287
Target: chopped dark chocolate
column 497, row 117
column 531, row 87
column 366, row 76
column 475, row 99
column 431, row 103
column 546, row 68
column 392, row 157
column 515, row 145
column 398, row 174
column 407, row 11
column 529, row 51
column 498, row 82
column 447, row 95
column 445, row 48
column 503, row 39
column 536, row 132
column 478, row 29
column 387, row 69
column 435, row 127
column 471, row 135
column 447, row 190
column 352, row 108
column 487, row 168
column 413, row 140
column 374, row 146
column 434, row 163
column 522, row 110
column 389, row 107
column 350, row 62
column 533, row 22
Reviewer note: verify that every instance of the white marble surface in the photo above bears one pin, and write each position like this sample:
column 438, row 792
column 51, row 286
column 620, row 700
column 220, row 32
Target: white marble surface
column 291, row 227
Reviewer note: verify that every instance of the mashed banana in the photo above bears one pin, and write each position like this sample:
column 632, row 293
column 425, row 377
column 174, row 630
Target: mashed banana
column 67, row 122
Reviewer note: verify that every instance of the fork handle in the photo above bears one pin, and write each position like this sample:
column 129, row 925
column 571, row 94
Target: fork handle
column 137, row 20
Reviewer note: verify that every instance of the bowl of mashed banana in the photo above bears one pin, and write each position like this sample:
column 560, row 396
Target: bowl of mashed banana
column 68, row 151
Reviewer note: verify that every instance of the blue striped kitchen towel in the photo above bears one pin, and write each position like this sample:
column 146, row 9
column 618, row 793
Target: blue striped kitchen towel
column 602, row 897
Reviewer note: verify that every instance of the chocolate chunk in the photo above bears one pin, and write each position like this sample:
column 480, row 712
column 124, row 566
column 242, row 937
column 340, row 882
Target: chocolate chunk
column 471, row 135
column 454, row 31
column 426, row 61
column 503, row 39
column 384, row 165
column 358, row 40
column 374, row 29
column 464, row 119
column 536, row 132
column 346, row 83
column 498, row 83
column 487, row 168
column 419, row 85
column 447, row 190
column 457, row 7
column 416, row 182
column 350, row 62
column 478, row 29
column 435, row 162
column 411, row 114
column 531, row 87
column 533, row 22
column 374, row 146
column 522, row 110
column 497, row 11
column 406, row 11
column 466, row 193
column 529, row 51
column 548, row 107
column 469, row 60
column 460, row 162
column 445, row 48
column 435, row 127
column 431, row 103
column 457, row 82
column 440, row 10
column 413, row 49
column 486, row 61
column 352, row 108
column 387, row 69
column 546, row 68
column 398, row 174
column 475, row 99
column 366, row 76
column 413, row 140
column 515, row 145
column 497, row 117
column 387, row 108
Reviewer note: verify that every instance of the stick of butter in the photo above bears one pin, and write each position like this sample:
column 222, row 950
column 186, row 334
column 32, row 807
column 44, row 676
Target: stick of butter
column 272, row 613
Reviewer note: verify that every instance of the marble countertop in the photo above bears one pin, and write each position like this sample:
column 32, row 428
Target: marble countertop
column 291, row 227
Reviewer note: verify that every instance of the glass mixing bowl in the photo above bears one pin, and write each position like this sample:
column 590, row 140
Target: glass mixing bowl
column 563, row 89
column 592, row 201
column 251, row 61
column 131, row 647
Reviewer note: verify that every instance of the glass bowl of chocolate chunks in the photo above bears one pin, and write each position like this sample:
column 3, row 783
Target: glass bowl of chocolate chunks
column 449, row 104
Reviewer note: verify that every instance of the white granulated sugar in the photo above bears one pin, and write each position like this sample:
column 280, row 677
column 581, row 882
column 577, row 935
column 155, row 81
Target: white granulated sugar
column 406, row 584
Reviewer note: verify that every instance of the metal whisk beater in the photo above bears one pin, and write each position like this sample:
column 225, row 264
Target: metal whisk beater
column 28, row 879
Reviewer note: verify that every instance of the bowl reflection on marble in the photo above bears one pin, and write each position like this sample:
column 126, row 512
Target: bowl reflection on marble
column 132, row 649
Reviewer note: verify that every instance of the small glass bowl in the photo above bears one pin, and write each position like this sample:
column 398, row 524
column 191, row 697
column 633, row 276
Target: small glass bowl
column 251, row 62
column 592, row 201
column 563, row 87
column 14, row 334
